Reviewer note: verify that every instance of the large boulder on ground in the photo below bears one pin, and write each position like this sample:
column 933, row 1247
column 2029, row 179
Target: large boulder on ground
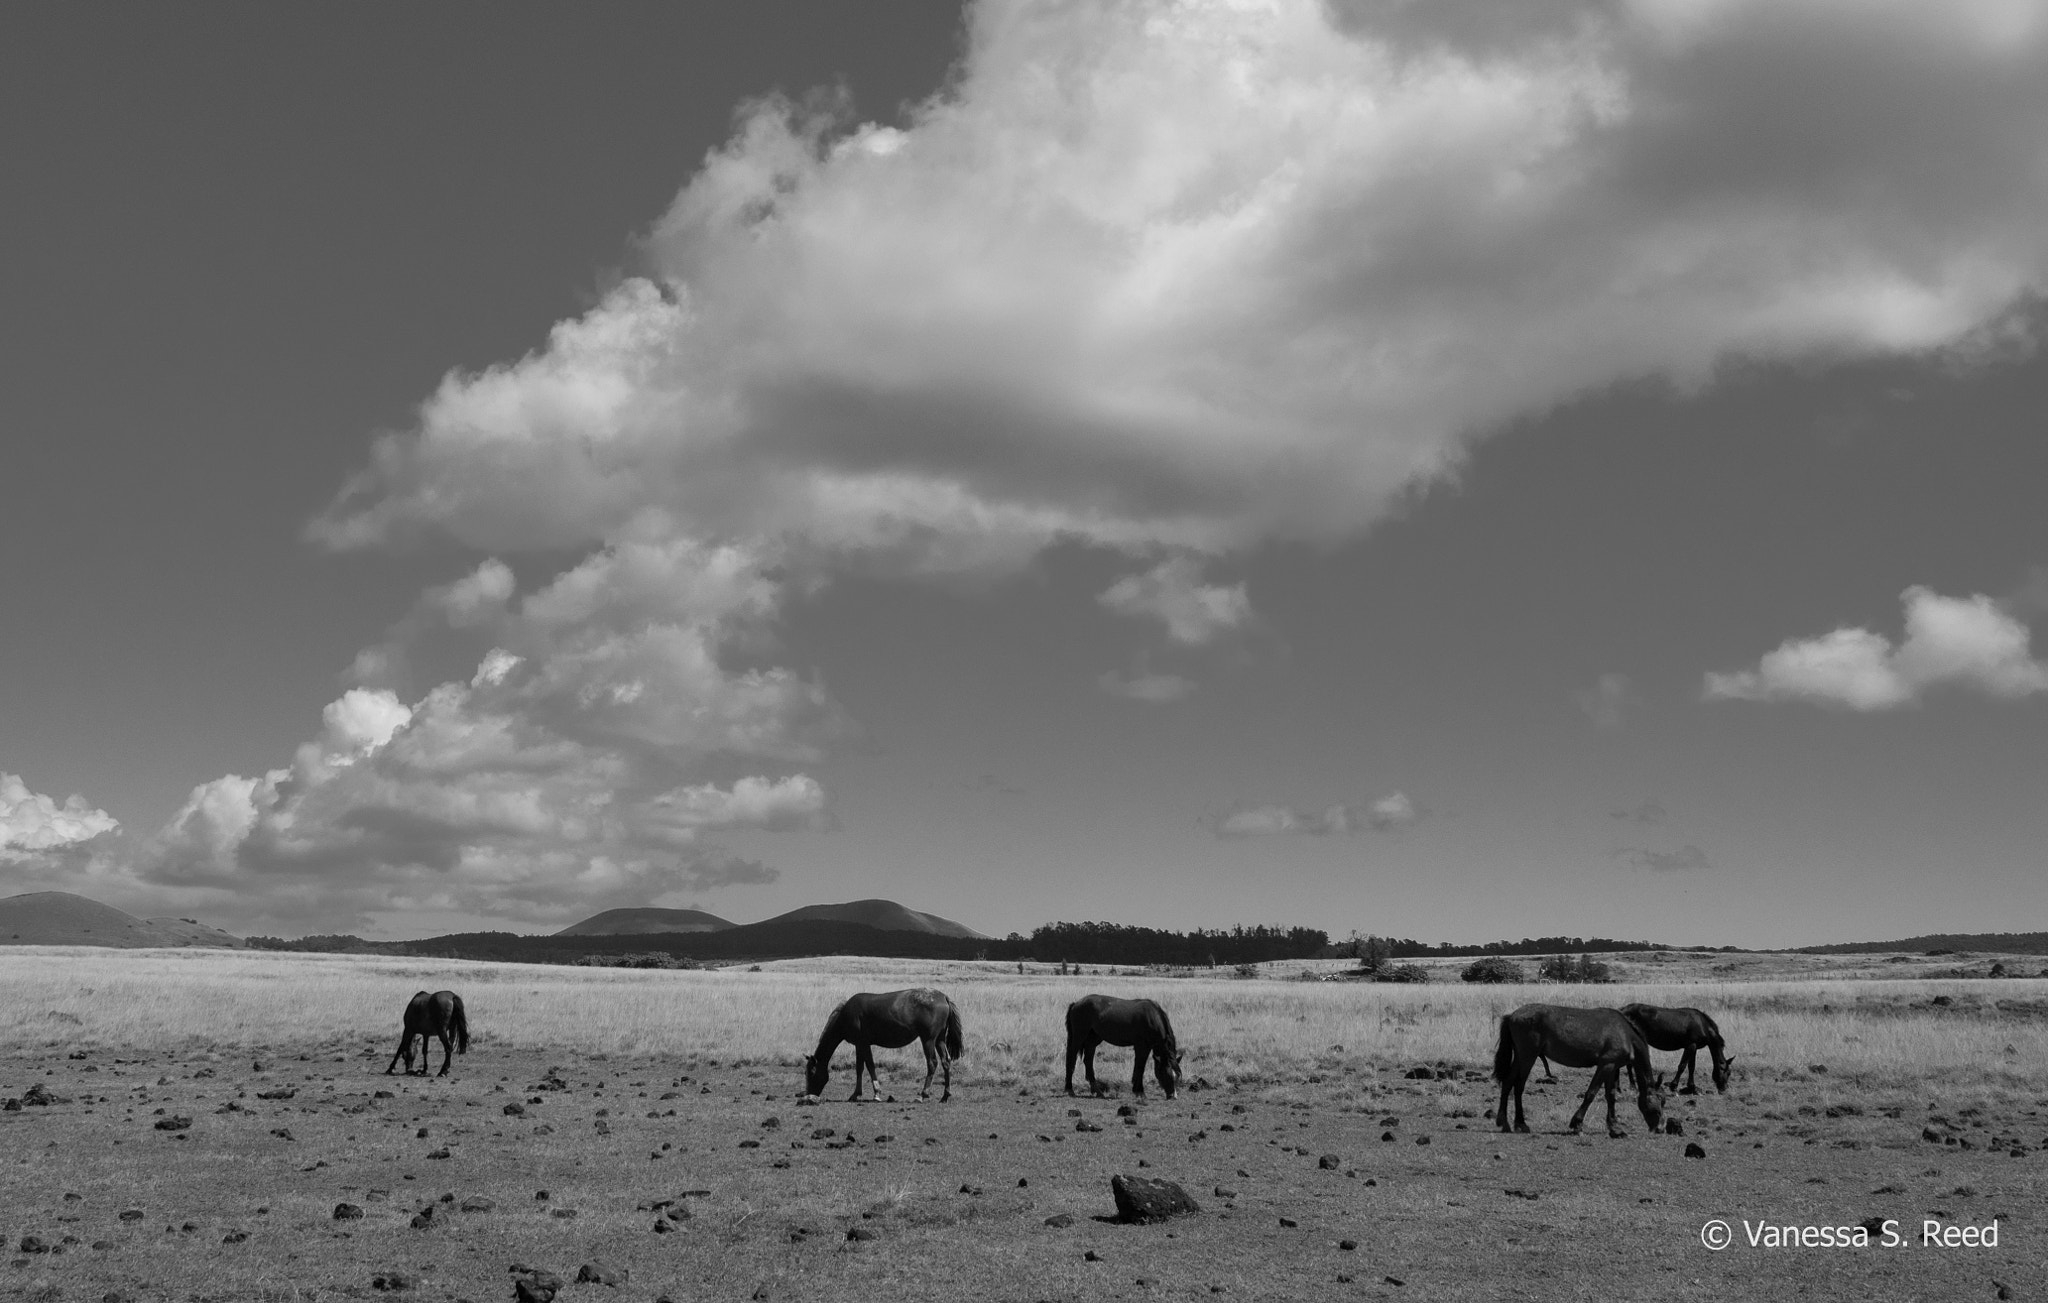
column 1142, row 1199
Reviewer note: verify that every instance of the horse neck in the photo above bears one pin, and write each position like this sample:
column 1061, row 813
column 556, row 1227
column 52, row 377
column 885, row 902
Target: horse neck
column 829, row 1040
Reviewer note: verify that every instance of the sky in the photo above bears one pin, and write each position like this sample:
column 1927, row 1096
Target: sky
column 1448, row 470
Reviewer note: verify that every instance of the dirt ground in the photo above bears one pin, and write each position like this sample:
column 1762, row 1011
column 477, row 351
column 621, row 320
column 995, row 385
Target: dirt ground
column 691, row 1179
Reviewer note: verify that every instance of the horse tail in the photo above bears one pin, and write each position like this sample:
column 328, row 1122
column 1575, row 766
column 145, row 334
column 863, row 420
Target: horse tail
column 1504, row 1055
column 956, row 1043
column 460, row 1023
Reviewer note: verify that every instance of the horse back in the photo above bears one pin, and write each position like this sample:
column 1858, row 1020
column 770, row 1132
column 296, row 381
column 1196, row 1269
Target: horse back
column 1573, row 1037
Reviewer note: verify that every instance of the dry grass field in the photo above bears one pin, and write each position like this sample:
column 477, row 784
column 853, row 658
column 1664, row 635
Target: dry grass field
column 1866, row 1087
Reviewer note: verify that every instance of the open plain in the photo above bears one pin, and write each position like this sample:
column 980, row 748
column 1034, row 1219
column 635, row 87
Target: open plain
column 647, row 1123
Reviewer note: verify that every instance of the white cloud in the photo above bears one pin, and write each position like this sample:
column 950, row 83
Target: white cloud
column 1173, row 592
column 1156, row 275
column 572, row 771
column 1607, row 700
column 1155, row 689
column 1961, row 642
column 33, row 825
column 1168, row 280
column 1386, row 814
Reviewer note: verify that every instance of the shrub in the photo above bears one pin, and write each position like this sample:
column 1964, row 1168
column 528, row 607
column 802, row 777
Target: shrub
column 1400, row 973
column 1493, row 968
column 1246, row 970
column 1566, row 968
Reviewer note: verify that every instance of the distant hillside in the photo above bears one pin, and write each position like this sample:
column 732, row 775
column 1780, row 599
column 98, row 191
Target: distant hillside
column 886, row 915
column 640, row 922
column 746, row 941
column 1997, row 943
column 59, row 918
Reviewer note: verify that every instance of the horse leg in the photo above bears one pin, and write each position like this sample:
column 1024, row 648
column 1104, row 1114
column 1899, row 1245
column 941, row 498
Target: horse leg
column 1518, row 1076
column 1614, row 1130
column 1138, row 1053
column 1592, row 1088
column 855, row 1096
column 867, row 1054
column 1088, row 1065
column 1073, row 1052
column 404, row 1041
column 931, row 1067
column 1686, row 1068
column 447, row 1051
column 945, row 1066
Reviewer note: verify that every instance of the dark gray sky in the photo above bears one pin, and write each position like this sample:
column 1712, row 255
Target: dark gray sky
column 1425, row 471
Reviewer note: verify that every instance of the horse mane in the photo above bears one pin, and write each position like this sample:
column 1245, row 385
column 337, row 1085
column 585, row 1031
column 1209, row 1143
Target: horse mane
column 1713, row 1030
column 830, row 1038
column 1639, row 1056
column 1166, row 1025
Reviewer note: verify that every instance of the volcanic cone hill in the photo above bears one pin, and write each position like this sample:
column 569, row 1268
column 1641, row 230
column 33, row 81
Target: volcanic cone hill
column 885, row 915
column 641, row 922
column 59, row 918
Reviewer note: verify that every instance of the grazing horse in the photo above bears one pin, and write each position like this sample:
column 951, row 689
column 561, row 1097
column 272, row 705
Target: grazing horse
column 1685, row 1030
column 439, row 1014
column 891, row 1019
column 1600, row 1039
column 1095, row 1019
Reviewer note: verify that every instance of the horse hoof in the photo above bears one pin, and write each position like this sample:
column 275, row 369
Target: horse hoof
column 1616, row 1133
column 1522, row 1128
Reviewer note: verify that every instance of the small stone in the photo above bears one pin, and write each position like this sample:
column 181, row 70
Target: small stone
column 477, row 1203
column 1693, row 1150
column 34, row 1244
column 1386, row 1135
column 442, row 1152
column 1091, row 1256
column 1225, row 1192
column 234, row 1237
column 1348, row 1245
column 598, row 1273
column 1059, row 1221
column 393, row 1280
column 1673, row 1127
column 347, row 1212
column 173, row 1123
column 862, row 1233
column 515, row 1110
column 131, row 1214
column 1329, row 1163
column 1422, row 1140
column 1289, row 1222
column 564, row 1213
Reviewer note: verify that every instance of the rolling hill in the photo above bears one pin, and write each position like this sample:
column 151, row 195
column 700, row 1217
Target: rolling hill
column 642, row 922
column 59, row 918
column 884, row 915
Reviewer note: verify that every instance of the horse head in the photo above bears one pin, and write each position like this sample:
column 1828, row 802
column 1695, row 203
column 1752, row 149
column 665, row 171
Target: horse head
column 1650, row 1099
column 1721, row 1074
column 816, row 1073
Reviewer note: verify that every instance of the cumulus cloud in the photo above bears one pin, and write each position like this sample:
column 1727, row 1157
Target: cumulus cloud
column 1173, row 592
column 34, row 827
column 1145, row 686
column 1165, row 276
column 1168, row 280
column 578, row 767
column 1387, row 814
column 1950, row 642
column 1605, row 702
column 1684, row 858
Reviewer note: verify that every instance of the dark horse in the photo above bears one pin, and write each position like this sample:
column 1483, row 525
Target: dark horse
column 1685, row 1030
column 439, row 1014
column 891, row 1019
column 1095, row 1019
column 1600, row 1039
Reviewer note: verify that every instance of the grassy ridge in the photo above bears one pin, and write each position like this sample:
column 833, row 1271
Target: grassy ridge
column 1874, row 1031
